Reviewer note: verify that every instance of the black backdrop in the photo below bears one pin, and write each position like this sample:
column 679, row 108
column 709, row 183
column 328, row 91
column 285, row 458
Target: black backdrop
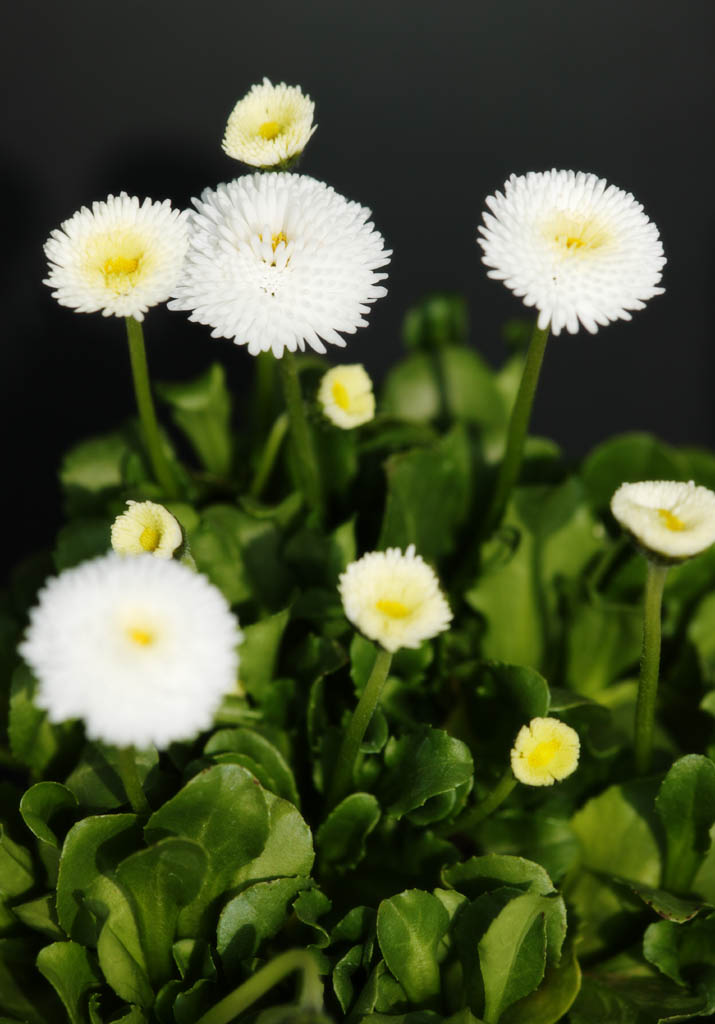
column 423, row 109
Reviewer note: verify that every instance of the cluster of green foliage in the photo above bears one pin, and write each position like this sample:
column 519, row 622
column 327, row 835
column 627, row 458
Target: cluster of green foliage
column 590, row 901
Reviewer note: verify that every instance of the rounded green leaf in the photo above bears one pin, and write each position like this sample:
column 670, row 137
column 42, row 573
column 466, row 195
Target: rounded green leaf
column 410, row 928
column 72, row 973
column 626, row 459
column 421, row 766
column 262, row 752
column 40, row 803
column 340, row 840
column 492, row 871
column 686, row 807
column 254, row 915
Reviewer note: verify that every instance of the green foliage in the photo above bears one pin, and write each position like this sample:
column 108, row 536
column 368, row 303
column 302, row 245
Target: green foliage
column 201, row 408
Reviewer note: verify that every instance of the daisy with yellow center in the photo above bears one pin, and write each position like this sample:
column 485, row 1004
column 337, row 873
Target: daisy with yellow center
column 346, row 396
column 146, row 528
column 670, row 520
column 394, row 598
column 270, row 126
column 545, row 751
column 119, row 258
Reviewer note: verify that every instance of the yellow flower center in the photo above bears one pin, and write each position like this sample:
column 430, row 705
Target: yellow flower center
column 543, row 753
column 340, row 396
column 141, row 637
column 670, row 521
column 277, row 239
column 269, row 129
column 574, row 234
column 120, row 272
column 395, row 609
column 149, row 538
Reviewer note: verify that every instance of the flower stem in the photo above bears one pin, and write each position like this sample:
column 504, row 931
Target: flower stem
column 650, row 663
column 132, row 784
column 300, row 432
column 311, row 997
column 268, row 455
column 145, row 405
column 518, row 427
column 482, row 810
column 357, row 727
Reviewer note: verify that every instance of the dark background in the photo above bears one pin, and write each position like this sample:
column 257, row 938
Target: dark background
column 423, row 108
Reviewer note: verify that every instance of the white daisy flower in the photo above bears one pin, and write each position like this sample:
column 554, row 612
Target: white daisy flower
column 270, row 125
column 142, row 649
column 146, row 528
column 346, row 397
column 579, row 250
column 545, row 751
column 672, row 521
column 394, row 598
column 120, row 257
column 279, row 260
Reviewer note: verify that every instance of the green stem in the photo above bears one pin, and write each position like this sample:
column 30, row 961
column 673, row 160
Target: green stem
column 311, row 997
column 268, row 455
column 466, row 821
column 302, row 441
column 650, row 664
column 145, row 405
column 264, row 389
column 131, row 781
column 518, row 427
column 357, row 727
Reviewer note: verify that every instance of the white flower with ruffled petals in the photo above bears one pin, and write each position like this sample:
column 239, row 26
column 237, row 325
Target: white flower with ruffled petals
column 545, row 751
column 671, row 520
column 581, row 251
column 271, row 125
column 280, row 261
column 346, row 397
column 142, row 649
column 146, row 528
column 394, row 598
column 121, row 257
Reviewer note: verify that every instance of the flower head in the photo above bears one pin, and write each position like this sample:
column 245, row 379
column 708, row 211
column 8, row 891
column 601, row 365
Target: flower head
column 120, row 257
column 270, row 125
column 143, row 649
column 146, row 528
column 280, row 260
column 670, row 520
column 545, row 751
column 345, row 394
column 394, row 598
column 571, row 245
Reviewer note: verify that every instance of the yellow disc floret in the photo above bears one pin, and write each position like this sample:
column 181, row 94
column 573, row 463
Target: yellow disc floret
column 670, row 520
column 395, row 609
column 545, row 751
column 269, row 129
column 345, row 394
column 146, row 527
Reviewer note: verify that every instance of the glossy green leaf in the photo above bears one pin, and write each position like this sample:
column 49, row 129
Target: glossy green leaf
column 19, row 995
column 201, row 408
column 95, row 465
column 226, row 812
column 96, row 782
column 72, row 972
column 40, row 803
column 33, row 740
column 553, row 998
column 262, row 753
column 341, row 838
column 41, row 915
column 682, row 953
column 253, row 916
column 665, row 904
column 81, row 539
column 259, row 653
column 628, row 458
column 410, row 928
column 616, row 831
column 604, row 639
column 119, row 948
column 16, row 870
column 478, row 875
column 421, row 766
column 546, row 839
column 686, row 807
column 310, row 906
column 428, row 496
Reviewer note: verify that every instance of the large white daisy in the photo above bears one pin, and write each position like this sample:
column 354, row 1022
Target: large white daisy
column 581, row 251
column 394, row 598
column 120, row 257
column 271, row 125
column 670, row 519
column 279, row 261
column 142, row 649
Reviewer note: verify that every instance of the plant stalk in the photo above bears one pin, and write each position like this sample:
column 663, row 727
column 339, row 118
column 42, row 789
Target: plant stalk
column 268, row 455
column 518, row 428
column 145, row 405
column 473, row 815
column 650, row 664
column 303, row 444
column 357, row 727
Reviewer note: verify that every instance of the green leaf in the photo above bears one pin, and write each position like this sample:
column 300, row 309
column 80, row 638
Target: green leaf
column 554, row 996
column 253, row 916
column 72, row 973
column 478, row 875
column 428, row 496
column 40, row 803
column 682, row 953
column 16, row 873
column 340, row 840
column 421, row 766
column 439, row 318
column 19, row 995
column 259, row 653
column 309, row 907
column 201, row 408
column 603, row 640
column 263, row 753
column 119, row 947
column 410, row 928
column 79, row 540
column 628, row 458
column 41, row 915
column 686, row 807
column 33, row 740
column 96, row 782
column 91, row 851
column 674, row 908
column 642, row 998
column 95, row 465
column 207, row 810
column 616, row 831
column 159, row 882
